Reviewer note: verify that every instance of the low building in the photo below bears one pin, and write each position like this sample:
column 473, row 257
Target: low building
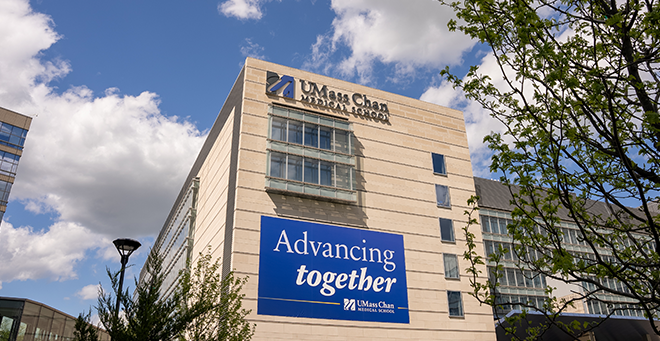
column 26, row 320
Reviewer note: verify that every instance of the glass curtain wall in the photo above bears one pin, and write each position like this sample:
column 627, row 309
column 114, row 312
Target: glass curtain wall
column 311, row 154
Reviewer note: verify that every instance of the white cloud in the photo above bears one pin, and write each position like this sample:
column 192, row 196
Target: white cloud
column 478, row 121
column 253, row 50
column 106, row 165
column 29, row 254
column 89, row 292
column 241, row 9
column 395, row 32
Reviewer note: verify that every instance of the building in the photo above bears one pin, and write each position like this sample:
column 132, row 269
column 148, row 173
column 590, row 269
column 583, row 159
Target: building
column 518, row 286
column 26, row 320
column 525, row 286
column 342, row 203
column 13, row 130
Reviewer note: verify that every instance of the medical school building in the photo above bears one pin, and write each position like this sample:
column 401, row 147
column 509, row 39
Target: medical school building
column 342, row 203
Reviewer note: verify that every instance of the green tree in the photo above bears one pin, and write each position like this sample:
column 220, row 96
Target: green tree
column 225, row 320
column 201, row 298
column 84, row 330
column 579, row 99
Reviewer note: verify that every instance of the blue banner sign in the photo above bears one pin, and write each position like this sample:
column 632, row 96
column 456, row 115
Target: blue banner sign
column 331, row 272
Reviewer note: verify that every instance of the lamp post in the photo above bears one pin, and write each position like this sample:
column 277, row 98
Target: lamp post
column 125, row 247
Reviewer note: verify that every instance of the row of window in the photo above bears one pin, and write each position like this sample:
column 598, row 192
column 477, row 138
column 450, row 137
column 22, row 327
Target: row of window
column 620, row 309
column 505, row 303
column 5, row 188
column 513, row 277
column 311, row 154
column 12, row 136
column 311, row 170
column 8, row 163
column 452, row 269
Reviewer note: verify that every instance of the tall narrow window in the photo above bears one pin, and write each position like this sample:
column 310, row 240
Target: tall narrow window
column 451, row 266
column 455, row 303
column 439, row 164
column 277, row 165
column 442, row 195
column 295, row 132
column 446, row 230
column 311, row 135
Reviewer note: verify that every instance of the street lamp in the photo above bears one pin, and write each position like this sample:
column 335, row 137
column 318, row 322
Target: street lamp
column 125, row 247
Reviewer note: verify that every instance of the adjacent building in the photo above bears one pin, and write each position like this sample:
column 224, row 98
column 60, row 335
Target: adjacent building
column 13, row 130
column 342, row 203
column 26, row 320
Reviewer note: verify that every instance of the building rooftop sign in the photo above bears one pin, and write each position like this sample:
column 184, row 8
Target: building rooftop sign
column 326, row 98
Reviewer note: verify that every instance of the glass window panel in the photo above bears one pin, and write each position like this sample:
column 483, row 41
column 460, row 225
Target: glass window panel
column 277, row 165
column 312, row 190
column 344, row 158
column 325, row 138
column 330, row 156
column 326, row 192
column 442, row 195
column 294, row 187
column 485, row 224
column 345, row 195
column 327, row 121
column 537, row 282
column 278, row 129
column 511, row 277
column 312, row 171
column 311, row 152
column 296, row 114
column 327, row 171
column 311, row 135
column 341, row 141
column 295, row 132
column 503, row 229
column 343, row 125
column 494, row 226
column 343, row 176
column 446, row 230
column 520, row 279
column 294, row 168
column 489, row 247
column 529, row 282
column 280, row 111
column 279, row 146
column 311, row 118
column 294, row 149
column 438, row 163
column 451, row 265
column 455, row 303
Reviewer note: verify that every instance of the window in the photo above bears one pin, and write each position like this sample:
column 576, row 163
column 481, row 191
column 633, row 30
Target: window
column 12, row 136
column 442, row 195
column 8, row 163
column 439, row 164
column 311, row 154
column 446, row 230
column 5, row 188
column 451, row 265
column 455, row 303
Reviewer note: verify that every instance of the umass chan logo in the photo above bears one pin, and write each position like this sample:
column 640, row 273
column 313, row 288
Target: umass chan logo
column 381, row 307
column 274, row 83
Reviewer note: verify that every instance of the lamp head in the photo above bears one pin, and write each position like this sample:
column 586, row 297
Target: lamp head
column 126, row 246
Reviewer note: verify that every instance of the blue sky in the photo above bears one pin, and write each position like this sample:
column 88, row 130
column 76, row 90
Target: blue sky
column 122, row 94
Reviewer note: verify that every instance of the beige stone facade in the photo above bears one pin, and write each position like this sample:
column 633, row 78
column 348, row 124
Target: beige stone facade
column 395, row 193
